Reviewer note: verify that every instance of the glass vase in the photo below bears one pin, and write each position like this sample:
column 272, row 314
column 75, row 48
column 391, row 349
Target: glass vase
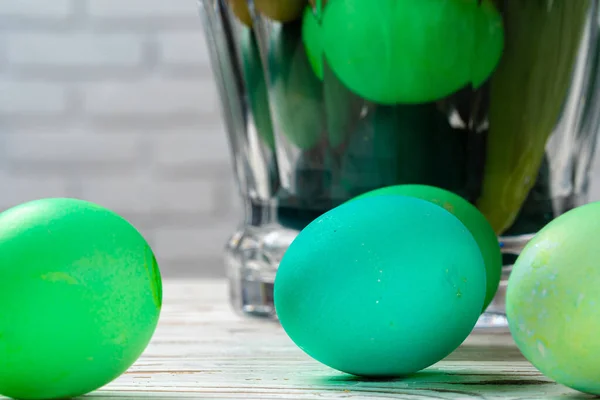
column 496, row 101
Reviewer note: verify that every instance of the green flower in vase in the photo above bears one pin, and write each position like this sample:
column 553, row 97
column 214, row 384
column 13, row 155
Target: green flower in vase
column 528, row 91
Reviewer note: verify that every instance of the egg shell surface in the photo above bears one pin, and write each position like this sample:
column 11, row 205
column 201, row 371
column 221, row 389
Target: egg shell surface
column 470, row 216
column 553, row 301
column 407, row 51
column 381, row 287
column 81, row 296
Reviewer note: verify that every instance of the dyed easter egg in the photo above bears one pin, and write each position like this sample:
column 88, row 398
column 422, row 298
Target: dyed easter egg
column 81, row 295
column 553, row 302
column 406, row 51
column 468, row 214
column 382, row 286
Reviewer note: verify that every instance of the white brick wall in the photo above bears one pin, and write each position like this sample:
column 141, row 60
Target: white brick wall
column 25, row 187
column 76, row 147
column 35, row 8
column 113, row 101
column 142, row 9
column 152, row 97
column 185, row 148
column 31, row 98
column 183, row 48
column 74, row 49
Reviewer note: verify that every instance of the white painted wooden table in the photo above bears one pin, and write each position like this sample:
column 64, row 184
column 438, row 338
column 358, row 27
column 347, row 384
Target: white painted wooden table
column 202, row 350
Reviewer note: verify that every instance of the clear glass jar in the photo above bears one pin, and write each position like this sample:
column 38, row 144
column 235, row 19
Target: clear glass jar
column 496, row 101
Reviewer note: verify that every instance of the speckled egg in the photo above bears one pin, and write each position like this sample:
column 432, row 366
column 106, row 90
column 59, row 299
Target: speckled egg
column 381, row 286
column 553, row 301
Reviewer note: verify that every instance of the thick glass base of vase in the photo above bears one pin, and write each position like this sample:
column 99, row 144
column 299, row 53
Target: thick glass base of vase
column 494, row 317
column 255, row 250
column 252, row 257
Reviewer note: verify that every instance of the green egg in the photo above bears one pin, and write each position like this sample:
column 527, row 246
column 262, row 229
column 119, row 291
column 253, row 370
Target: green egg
column 406, row 51
column 311, row 37
column 81, row 296
column 297, row 92
column 552, row 300
column 489, row 42
column 381, row 287
column 468, row 214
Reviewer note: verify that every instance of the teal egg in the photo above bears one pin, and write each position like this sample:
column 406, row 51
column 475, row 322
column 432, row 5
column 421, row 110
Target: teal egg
column 380, row 287
column 553, row 301
column 469, row 215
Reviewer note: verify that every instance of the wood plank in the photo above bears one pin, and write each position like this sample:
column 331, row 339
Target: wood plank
column 203, row 350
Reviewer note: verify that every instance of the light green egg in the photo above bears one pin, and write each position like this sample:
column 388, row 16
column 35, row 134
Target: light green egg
column 470, row 216
column 381, row 287
column 553, row 301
